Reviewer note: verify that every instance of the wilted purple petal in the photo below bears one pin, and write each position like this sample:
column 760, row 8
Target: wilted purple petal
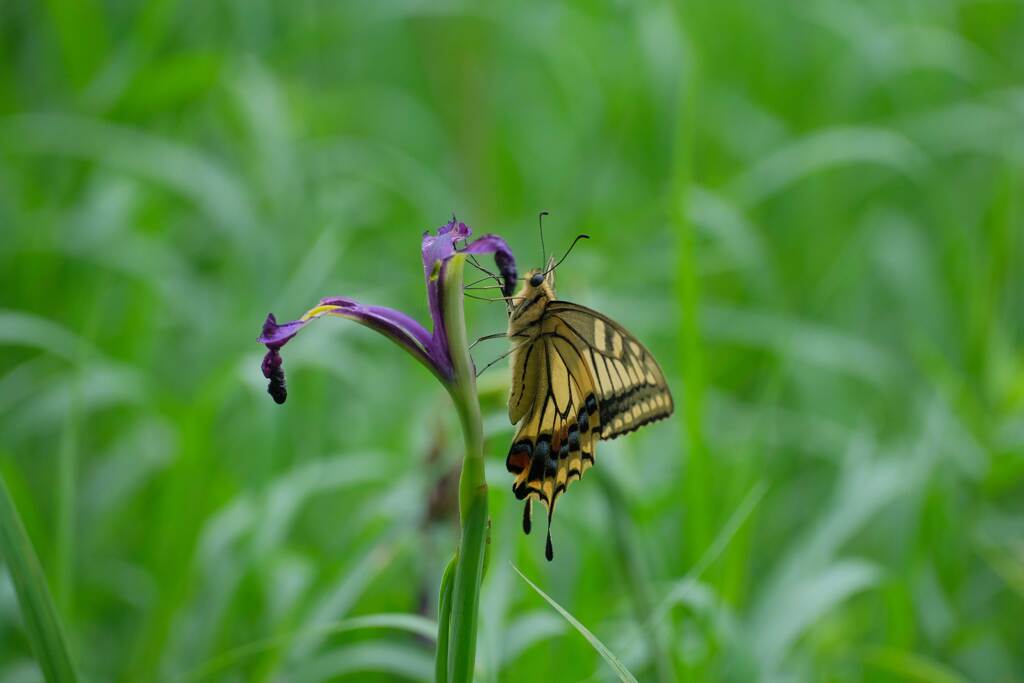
column 273, row 371
column 393, row 324
column 502, row 258
column 275, row 336
column 439, row 248
column 436, row 250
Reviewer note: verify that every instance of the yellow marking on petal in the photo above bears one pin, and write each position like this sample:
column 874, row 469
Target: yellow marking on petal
column 318, row 311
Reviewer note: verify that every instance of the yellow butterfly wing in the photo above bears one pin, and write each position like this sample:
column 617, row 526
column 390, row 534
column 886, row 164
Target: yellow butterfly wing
column 578, row 378
column 631, row 388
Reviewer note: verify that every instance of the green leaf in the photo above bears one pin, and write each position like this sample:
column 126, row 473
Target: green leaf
column 823, row 150
column 613, row 661
column 18, row 328
column 412, row 623
column 909, row 666
column 444, row 616
column 806, row 602
column 41, row 624
column 397, row 661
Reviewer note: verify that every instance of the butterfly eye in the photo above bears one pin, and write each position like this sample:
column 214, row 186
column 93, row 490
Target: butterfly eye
column 537, row 279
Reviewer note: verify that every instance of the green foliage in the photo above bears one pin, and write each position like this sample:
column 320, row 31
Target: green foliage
column 621, row 671
column 41, row 624
column 810, row 211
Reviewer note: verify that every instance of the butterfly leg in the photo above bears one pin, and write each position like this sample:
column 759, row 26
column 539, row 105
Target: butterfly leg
column 490, row 299
column 476, row 264
column 486, row 337
column 499, row 335
column 501, row 357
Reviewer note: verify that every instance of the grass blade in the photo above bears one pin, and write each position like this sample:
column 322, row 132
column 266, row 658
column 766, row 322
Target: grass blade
column 682, row 588
column 411, row 623
column 909, row 666
column 606, row 654
column 806, row 603
column 444, row 618
column 392, row 661
column 41, row 624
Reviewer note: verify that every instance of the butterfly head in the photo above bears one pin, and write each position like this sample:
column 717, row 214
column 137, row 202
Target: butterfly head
column 538, row 281
column 538, row 288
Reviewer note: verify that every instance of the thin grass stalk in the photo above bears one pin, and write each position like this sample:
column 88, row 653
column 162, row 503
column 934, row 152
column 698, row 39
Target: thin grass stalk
column 67, row 466
column 695, row 483
column 629, row 554
column 43, row 628
column 469, row 558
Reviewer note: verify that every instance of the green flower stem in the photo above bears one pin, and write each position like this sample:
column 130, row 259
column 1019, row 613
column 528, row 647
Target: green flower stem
column 469, row 558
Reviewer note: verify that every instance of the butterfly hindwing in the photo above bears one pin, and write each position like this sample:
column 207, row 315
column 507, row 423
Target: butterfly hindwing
column 554, row 444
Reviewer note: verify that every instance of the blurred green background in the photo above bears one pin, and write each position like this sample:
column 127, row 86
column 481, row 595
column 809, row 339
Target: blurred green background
column 810, row 211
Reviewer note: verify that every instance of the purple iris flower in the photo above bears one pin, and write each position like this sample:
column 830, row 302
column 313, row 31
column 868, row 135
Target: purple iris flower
column 429, row 347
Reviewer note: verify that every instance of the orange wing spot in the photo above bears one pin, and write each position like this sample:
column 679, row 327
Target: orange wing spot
column 517, row 462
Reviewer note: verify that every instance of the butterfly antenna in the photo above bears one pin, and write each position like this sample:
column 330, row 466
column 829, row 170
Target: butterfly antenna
column 567, row 252
column 540, row 226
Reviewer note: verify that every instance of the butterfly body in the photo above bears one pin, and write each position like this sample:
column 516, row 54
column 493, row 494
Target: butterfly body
column 577, row 377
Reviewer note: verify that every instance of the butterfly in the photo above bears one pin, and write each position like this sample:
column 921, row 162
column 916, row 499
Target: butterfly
column 578, row 377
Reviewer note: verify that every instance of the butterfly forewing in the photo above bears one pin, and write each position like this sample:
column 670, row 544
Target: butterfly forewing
column 631, row 388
